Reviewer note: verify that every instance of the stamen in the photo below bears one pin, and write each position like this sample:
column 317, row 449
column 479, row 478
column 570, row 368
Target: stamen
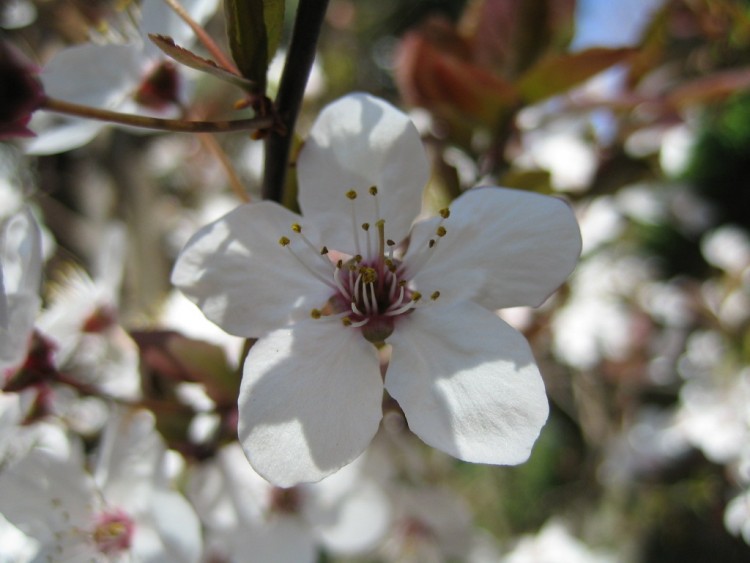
column 337, row 280
column 316, row 314
column 352, row 195
column 441, row 231
column 435, row 295
column 326, row 262
column 374, row 194
column 445, row 213
column 415, row 297
column 285, row 242
column 366, row 229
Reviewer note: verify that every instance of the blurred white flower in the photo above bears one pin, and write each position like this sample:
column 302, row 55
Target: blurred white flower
column 249, row 520
column 82, row 325
column 555, row 544
column 20, row 279
column 133, row 77
column 312, row 387
column 125, row 507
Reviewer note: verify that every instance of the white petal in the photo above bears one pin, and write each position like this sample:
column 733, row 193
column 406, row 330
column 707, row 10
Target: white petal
column 172, row 522
column 282, row 539
column 236, row 271
column 467, row 383
column 310, row 401
column 104, row 74
column 354, row 523
column 357, row 142
column 68, row 135
column 503, row 248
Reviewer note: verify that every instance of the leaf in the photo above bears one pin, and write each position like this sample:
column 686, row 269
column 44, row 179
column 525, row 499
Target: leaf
column 558, row 73
column 190, row 59
column 713, row 87
column 254, row 28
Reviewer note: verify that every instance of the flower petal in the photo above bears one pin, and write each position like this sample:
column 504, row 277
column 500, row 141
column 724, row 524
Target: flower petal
column 236, row 271
column 357, row 142
column 503, row 248
column 310, row 401
column 467, row 383
column 104, row 74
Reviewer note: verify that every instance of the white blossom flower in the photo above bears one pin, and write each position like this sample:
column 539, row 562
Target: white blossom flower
column 320, row 289
column 124, row 511
column 20, row 276
column 555, row 544
column 249, row 520
column 127, row 77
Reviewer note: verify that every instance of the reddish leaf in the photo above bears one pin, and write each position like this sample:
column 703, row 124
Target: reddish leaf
column 558, row 73
column 190, row 59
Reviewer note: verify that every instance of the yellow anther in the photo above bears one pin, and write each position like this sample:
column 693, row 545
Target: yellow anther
column 435, row 295
column 369, row 275
column 401, row 283
column 380, row 223
column 284, row 241
column 373, row 190
column 316, row 314
column 324, row 250
column 351, row 194
column 296, row 227
column 388, row 262
column 365, row 226
column 440, row 231
column 416, row 296
column 358, row 258
column 445, row 213
column 346, row 321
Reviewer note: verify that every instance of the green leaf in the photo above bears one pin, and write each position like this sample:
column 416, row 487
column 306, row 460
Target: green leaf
column 254, row 28
column 557, row 73
column 190, row 59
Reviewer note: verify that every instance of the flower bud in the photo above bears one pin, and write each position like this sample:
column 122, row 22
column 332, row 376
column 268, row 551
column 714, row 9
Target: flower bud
column 21, row 93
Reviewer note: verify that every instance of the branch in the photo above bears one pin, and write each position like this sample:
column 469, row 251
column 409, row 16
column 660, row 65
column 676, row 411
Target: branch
column 299, row 61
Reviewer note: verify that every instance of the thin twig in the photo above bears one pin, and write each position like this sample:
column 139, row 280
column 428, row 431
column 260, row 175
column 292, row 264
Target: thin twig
column 212, row 145
column 176, row 125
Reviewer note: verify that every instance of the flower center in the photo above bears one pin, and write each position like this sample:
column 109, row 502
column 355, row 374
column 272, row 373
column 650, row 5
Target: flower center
column 370, row 289
column 113, row 532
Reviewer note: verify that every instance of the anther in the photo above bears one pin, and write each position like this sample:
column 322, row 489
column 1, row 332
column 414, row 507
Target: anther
column 435, row 295
column 296, row 227
column 416, row 296
column 346, row 321
column 431, row 243
column 351, row 194
column 284, row 241
column 445, row 213
column 316, row 314
column 441, row 231
column 390, row 242
column 373, row 190
column 324, row 250
column 365, row 226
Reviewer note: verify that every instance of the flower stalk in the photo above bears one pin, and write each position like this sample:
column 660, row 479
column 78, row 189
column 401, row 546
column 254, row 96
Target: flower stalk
column 146, row 122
